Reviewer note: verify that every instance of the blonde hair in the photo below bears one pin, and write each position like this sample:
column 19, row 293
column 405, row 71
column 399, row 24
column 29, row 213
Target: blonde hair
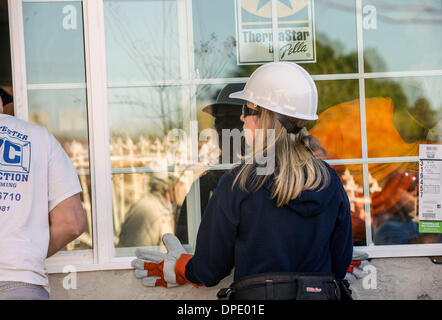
column 297, row 166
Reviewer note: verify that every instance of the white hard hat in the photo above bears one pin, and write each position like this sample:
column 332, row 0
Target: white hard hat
column 282, row 87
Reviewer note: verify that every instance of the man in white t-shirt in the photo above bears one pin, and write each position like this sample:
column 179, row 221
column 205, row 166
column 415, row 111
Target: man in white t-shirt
column 40, row 207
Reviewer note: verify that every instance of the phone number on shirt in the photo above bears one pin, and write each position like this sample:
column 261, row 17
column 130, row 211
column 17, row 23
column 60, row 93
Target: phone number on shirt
column 10, row 196
column 4, row 208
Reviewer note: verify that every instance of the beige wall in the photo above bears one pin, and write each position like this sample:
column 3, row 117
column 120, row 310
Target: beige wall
column 398, row 278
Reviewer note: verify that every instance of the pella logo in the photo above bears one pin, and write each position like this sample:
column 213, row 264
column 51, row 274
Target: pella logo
column 14, row 156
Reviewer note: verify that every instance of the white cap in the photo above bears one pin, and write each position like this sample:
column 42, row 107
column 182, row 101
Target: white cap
column 282, row 87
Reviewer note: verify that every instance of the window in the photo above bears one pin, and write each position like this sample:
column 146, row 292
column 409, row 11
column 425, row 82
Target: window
column 123, row 86
column 56, row 86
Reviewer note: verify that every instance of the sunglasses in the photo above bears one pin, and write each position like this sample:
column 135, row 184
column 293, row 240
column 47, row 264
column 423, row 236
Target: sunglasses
column 246, row 111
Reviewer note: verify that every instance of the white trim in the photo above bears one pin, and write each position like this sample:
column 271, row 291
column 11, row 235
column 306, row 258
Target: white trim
column 194, row 81
column 56, row 263
column 226, row 166
column 83, row 172
column 372, row 160
column 275, row 28
column 56, row 86
column 402, row 74
column 18, row 59
column 50, row 0
column 155, row 83
column 363, row 122
column 193, row 197
column 385, row 251
column 99, row 131
column 403, row 250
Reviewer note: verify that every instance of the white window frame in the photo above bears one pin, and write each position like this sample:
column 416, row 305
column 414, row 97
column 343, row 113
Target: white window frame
column 102, row 256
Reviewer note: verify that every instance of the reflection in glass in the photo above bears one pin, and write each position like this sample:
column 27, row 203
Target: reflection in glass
column 208, row 182
column 394, row 205
column 142, row 40
column 336, row 38
column 147, row 205
column 402, row 35
column 406, row 112
column 215, row 37
column 352, row 180
column 54, row 48
column 212, row 120
column 54, row 42
column 141, row 120
column 64, row 114
column 338, row 126
column 85, row 240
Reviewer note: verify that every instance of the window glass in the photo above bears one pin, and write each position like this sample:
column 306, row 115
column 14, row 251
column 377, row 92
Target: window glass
column 405, row 112
column 142, row 40
column 54, row 42
column 218, row 48
column 148, row 136
column 338, row 127
column 352, row 179
column 215, row 40
column 146, row 206
column 336, row 40
column 149, row 125
column 141, row 120
column 393, row 204
column 402, row 35
column 64, row 114
column 212, row 120
column 55, row 66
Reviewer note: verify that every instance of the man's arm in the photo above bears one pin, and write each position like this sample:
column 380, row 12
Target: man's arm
column 67, row 222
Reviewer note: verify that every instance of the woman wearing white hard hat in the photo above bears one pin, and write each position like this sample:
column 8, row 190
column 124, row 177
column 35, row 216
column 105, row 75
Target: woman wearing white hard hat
column 287, row 233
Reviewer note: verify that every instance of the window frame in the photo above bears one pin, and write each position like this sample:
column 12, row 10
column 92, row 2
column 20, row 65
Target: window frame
column 102, row 255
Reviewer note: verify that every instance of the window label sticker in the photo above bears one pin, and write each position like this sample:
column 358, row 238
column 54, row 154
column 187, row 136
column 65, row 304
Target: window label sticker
column 430, row 191
column 254, row 31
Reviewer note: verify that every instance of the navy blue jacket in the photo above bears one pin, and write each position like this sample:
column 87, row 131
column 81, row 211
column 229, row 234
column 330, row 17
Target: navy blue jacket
column 248, row 232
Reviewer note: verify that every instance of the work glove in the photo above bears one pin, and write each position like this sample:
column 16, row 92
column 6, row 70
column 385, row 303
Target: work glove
column 162, row 269
column 356, row 269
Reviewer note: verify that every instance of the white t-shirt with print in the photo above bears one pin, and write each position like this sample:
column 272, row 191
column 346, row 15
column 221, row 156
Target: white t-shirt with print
column 35, row 176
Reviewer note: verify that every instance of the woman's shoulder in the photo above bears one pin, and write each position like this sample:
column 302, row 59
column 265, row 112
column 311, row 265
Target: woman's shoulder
column 228, row 186
column 333, row 173
column 228, row 178
column 333, row 184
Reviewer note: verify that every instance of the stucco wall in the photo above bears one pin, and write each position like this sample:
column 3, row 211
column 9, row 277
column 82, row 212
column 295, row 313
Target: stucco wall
column 397, row 278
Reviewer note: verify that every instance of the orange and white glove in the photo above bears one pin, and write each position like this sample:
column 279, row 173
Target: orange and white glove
column 162, row 269
column 356, row 269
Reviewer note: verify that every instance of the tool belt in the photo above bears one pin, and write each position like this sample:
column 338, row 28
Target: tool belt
column 287, row 286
